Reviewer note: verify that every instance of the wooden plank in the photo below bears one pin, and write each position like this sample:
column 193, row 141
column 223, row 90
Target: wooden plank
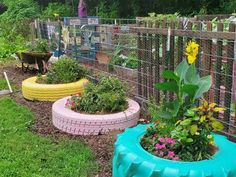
column 139, row 51
column 218, row 74
column 172, row 55
column 5, row 92
column 144, row 66
column 180, row 43
column 198, row 41
column 229, row 78
column 157, row 63
column 150, row 63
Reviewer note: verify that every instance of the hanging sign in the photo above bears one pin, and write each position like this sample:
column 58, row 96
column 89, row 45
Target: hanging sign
column 93, row 21
column 75, row 22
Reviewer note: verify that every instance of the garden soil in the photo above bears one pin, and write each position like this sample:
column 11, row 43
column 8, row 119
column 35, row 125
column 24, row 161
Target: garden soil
column 101, row 145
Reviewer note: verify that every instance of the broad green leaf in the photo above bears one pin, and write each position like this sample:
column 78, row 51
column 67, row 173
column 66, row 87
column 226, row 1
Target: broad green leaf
column 181, row 69
column 217, row 126
column 193, row 129
column 192, row 77
column 189, row 113
column 164, row 115
column 167, row 74
column 189, row 140
column 202, row 119
column 186, row 122
column 203, row 86
column 176, row 106
column 190, row 90
column 168, row 86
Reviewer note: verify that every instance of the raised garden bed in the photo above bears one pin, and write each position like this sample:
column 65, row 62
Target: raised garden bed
column 91, row 124
column 50, row 92
column 130, row 159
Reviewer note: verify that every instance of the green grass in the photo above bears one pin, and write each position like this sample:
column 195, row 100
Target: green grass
column 3, row 84
column 24, row 154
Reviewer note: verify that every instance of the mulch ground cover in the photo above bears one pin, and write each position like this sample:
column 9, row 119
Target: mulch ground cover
column 101, row 145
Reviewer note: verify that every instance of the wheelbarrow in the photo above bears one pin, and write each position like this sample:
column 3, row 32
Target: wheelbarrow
column 40, row 60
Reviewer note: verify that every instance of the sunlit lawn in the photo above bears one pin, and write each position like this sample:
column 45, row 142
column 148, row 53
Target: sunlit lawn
column 25, row 154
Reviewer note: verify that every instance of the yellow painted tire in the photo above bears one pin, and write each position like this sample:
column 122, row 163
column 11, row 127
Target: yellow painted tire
column 50, row 92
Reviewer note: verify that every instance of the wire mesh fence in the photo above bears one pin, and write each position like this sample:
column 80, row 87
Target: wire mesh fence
column 138, row 51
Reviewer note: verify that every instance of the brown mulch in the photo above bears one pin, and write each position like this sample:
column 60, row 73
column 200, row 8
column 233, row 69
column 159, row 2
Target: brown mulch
column 101, row 145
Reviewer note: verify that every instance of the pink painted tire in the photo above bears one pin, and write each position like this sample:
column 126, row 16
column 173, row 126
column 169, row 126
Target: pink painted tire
column 90, row 124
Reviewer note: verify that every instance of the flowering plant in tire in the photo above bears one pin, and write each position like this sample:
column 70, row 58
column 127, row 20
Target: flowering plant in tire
column 190, row 127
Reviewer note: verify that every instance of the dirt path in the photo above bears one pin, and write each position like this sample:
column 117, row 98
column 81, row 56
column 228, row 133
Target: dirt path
column 101, row 145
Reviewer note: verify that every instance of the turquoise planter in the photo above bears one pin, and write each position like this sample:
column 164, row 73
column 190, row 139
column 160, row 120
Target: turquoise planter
column 131, row 160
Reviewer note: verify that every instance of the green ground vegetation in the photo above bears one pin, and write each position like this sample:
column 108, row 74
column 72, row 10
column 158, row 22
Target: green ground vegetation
column 24, row 153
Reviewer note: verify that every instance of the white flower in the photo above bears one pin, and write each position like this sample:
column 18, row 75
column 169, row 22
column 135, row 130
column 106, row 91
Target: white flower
column 197, row 133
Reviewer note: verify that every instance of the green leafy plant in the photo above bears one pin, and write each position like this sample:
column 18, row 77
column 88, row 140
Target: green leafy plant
column 105, row 97
column 38, row 46
column 153, row 17
column 194, row 132
column 64, row 10
column 185, row 83
column 178, row 121
column 20, row 10
column 66, row 70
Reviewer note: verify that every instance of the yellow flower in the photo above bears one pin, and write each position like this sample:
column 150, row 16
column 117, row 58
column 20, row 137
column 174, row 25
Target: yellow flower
column 212, row 143
column 56, row 15
column 191, row 52
column 209, row 136
column 191, row 59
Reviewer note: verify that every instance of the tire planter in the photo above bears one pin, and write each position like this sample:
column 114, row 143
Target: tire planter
column 130, row 159
column 50, row 92
column 90, row 124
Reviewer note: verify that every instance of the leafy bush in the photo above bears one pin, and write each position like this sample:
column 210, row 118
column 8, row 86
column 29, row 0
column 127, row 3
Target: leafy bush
column 107, row 96
column 64, row 71
column 64, row 10
column 19, row 10
column 106, row 10
column 38, row 46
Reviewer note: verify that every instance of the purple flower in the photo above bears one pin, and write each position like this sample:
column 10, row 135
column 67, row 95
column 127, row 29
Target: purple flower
column 170, row 140
column 162, row 139
column 170, row 154
column 160, row 146
column 161, row 154
column 176, row 158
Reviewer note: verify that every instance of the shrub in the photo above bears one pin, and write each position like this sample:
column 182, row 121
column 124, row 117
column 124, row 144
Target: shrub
column 20, row 10
column 65, row 71
column 12, row 38
column 38, row 46
column 107, row 96
column 64, row 10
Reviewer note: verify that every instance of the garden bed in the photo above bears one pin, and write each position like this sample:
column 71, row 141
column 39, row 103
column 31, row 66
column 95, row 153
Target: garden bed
column 44, row 127
column 91, row 124
column 32, row 90
column 130, row 159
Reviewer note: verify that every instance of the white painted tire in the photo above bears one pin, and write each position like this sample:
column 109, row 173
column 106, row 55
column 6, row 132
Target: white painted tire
column 90, row 124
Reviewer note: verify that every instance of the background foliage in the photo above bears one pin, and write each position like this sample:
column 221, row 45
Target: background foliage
column 121, row 8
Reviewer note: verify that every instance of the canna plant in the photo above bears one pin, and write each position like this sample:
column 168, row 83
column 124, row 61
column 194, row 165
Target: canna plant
column 186, row 83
